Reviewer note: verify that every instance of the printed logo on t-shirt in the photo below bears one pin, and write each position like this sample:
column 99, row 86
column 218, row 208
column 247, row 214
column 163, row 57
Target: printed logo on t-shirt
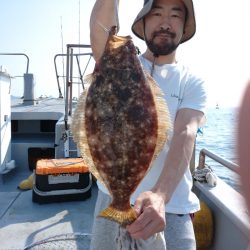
column 176, row 96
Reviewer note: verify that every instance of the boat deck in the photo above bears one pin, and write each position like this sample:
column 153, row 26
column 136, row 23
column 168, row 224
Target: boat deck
column 44, row 108
column 23, row 222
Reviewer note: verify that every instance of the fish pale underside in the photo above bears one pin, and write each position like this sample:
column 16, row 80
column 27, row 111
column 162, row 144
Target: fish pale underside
column 120, row 124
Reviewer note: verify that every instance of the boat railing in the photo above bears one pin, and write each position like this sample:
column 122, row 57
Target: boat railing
column 229, row 164
column 69, row 76
column 73, row 76
column 19, row 54
column 81, row 72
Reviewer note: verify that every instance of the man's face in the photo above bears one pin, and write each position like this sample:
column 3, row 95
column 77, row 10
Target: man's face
column 164, row 26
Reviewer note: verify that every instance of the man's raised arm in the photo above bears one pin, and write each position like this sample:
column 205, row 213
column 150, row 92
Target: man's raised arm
column 104, row 15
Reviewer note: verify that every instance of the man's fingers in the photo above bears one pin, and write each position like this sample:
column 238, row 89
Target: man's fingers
column 146, row 232
column 150, row 209
column 138, row 206
column 139, row 224
column 148, row 223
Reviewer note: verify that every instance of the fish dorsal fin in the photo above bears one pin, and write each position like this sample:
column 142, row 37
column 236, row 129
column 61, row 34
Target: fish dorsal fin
column 163, row 116
column 79, row 134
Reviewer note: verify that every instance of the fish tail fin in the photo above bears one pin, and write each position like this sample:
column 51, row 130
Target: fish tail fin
column 124, row 217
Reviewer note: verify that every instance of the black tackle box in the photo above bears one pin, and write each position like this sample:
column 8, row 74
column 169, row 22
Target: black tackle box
column 57, row 180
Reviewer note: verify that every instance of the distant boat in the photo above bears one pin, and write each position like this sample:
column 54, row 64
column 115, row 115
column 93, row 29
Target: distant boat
column 217, row 106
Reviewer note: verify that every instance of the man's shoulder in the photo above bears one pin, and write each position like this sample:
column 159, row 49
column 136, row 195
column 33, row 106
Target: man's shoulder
column 191, row 73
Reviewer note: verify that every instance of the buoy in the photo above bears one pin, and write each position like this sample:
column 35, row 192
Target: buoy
column 27, row 183
column 203, row 227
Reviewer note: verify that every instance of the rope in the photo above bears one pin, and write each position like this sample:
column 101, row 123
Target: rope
column 59, row 164
column 62, row 241
column 205, row 174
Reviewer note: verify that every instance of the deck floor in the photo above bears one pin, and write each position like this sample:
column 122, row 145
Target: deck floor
column 23, row 222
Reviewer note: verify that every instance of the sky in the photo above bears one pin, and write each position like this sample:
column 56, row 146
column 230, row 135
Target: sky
column 219, row 52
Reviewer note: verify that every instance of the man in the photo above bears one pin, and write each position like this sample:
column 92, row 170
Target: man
column 163, row 201
column 244, row 144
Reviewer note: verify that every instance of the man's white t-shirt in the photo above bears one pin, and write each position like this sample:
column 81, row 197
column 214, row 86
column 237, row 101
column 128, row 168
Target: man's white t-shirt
column 181, row 90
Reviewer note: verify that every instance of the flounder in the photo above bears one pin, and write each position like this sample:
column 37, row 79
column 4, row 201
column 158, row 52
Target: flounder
column 120, row 124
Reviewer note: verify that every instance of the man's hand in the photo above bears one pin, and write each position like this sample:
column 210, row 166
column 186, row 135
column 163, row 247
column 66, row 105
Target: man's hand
column 150, row 208
column 104, row 16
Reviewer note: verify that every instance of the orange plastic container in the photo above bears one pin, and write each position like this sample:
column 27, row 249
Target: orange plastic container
column 59, row 166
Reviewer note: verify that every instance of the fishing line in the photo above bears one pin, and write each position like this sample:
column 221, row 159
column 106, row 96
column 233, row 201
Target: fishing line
column 153, row 65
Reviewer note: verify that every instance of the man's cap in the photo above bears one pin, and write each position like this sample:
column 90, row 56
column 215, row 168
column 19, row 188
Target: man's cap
column 190, row 25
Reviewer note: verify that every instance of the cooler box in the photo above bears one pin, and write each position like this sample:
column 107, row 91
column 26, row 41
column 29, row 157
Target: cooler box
column 58, row 180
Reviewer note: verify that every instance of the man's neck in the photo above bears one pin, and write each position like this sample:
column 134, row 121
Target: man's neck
column 168, row 59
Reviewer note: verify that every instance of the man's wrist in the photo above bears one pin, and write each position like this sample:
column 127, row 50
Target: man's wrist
column 162, row 193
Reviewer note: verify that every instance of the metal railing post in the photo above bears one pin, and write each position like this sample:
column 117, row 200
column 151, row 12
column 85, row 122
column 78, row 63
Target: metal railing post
column 202, row 157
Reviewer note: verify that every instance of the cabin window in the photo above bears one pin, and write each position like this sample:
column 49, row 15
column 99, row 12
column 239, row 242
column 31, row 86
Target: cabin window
column 47, row 125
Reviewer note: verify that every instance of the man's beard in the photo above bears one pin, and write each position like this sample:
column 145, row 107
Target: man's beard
column 162, row 49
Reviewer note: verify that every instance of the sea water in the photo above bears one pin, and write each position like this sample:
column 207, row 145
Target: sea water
column 219, row 135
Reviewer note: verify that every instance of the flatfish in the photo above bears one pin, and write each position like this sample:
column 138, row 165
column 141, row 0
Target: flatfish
column 120, row 124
